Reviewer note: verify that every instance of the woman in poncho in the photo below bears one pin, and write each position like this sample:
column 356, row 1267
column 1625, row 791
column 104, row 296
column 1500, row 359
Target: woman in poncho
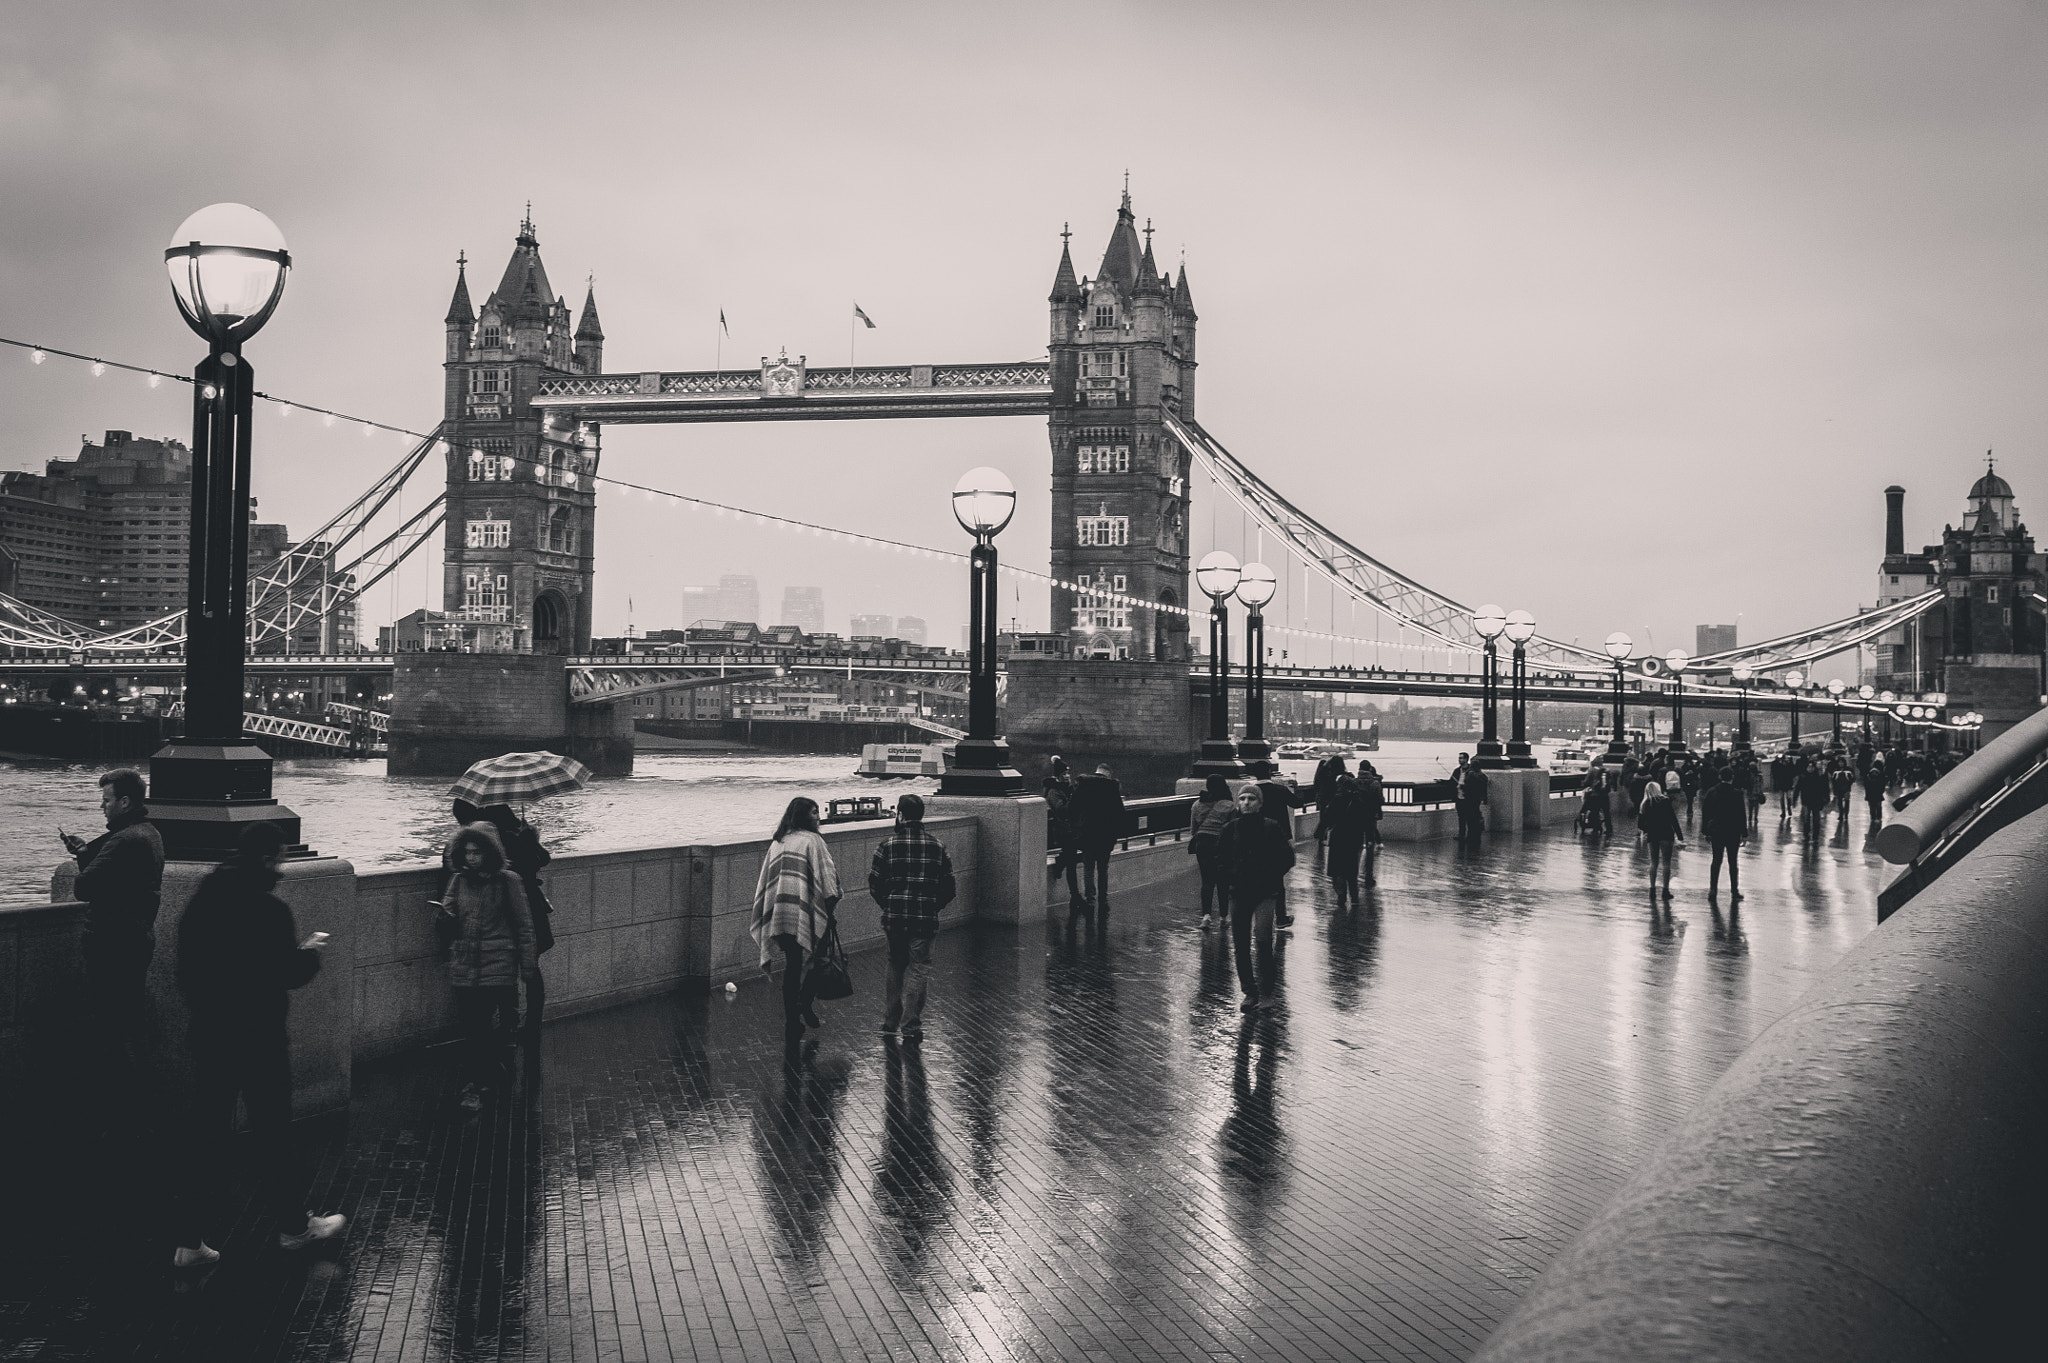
column 793, row 902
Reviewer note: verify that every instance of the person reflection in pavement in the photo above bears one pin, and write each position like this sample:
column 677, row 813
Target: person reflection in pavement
column 796, row 1139
column 1353, row 941
column 1254, row 1161
column 912, row 1184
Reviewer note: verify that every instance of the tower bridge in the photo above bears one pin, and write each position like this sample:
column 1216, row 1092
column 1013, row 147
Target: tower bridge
column 527, row 397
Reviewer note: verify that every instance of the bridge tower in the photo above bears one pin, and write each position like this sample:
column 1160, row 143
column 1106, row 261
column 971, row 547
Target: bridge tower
column 1123, row 355
column 521, row 486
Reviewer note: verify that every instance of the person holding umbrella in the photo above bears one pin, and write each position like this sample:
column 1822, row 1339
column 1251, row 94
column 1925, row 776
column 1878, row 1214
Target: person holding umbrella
column 485, row 795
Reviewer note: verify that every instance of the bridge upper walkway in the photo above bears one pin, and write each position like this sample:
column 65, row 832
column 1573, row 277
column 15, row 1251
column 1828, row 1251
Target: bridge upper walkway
column 1095, row 1155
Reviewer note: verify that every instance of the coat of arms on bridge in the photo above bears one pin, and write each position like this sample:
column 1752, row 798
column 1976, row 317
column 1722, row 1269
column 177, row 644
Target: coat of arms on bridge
column 780, row 378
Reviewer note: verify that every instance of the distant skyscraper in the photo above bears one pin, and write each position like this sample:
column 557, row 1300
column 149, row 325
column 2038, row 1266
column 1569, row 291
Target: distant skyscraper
column 880, row 626
column 736, row 597
column 804, row 607
column 1713, row 639
column 910, row 630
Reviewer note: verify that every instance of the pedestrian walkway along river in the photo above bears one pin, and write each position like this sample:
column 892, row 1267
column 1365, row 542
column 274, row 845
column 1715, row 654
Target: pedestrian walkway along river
column 1094, row 1153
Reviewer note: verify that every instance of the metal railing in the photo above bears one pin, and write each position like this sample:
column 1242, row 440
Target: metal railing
column 1417, row 794
column 2005, row 780
column 1145, row 821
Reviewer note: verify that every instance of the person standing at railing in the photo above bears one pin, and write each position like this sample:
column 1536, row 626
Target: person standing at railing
column 1373, row 795
column 1595, row 811
column 1208, row 820
column 120, row 878
column 1327, row 773
column 1098, row 815
column 1345, row 821
column 1058, row 790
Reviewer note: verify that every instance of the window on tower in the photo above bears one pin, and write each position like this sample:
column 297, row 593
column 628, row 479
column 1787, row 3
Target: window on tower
column 487, row 535
column 1105, row 314
column 1104, row 531
column 489, row 338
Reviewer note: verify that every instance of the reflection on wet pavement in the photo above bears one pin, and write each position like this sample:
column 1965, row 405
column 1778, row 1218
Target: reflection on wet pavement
column 1092, row 1152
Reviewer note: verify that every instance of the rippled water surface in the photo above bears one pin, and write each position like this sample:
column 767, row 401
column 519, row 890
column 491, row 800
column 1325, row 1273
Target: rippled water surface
column 352, row 809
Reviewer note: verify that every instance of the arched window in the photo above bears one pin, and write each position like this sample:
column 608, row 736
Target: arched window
column 561, row 531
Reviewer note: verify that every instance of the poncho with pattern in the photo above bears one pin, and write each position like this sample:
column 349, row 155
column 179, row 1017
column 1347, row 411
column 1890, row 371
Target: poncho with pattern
column 798, row 881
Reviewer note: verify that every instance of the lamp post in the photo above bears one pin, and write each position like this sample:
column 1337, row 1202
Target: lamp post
column 1521, row 629
column 1619, row 646
column 1835, row 689
column 1677, row 660
column 1255, row 587
column 1793, row 681
column 1217, row 576
column 1489, row 621
column 1887, row 699
column 983, row 502
column 227, row 265
column 1864, row 694
column 1741, row 676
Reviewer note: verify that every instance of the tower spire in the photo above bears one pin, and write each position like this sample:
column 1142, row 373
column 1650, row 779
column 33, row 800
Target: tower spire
column 459, row 310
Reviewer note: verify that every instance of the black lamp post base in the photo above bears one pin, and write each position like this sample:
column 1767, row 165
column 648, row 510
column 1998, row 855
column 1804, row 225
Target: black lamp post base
column 1219, row 758
column 981, row 768
column 1519, row 754
column 1490, row 755
column 204, row 795
column 1256, row 754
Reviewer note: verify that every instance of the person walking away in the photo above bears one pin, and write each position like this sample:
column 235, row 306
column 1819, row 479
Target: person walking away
column 911, row 879
column 239, row 958
column 1208, row 820
column 1875, row 782
column 1059, row 826
column 1260, row 853
column 1842, row 780
column 1345, row 820
column 492, row 950
column 1098, row 814
column 120, row 879
column 1785, row 781
column 1814, row 793
column 1327, row 772
column 1724, row 822
column 1753, row 790
column 1373, row 797
column 525, row 857
column 1658, row 820
column 1689, row 785
column 793, row 902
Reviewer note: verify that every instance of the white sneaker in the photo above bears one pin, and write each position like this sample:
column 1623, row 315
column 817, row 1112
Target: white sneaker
column 187, row 1257
column 1208, row 921
column 317, row 1228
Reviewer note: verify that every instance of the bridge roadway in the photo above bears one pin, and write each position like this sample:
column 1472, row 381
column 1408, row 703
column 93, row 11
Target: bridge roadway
column 597, row 678
column 1093, row 1154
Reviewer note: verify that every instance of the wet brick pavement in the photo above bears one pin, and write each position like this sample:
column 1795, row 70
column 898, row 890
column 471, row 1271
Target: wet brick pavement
column 1094, row 1156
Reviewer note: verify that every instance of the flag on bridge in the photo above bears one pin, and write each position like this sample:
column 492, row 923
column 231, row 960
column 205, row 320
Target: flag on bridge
column 863, row 317
column 721, row 322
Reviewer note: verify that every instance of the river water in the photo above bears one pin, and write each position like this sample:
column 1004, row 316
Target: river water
column 351, row 809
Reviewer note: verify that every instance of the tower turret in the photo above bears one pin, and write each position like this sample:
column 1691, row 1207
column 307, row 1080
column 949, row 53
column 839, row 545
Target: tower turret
column 589, row 334
column 461, row 319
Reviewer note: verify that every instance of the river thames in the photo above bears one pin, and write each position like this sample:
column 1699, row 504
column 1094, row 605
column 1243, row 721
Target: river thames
column 352, row 809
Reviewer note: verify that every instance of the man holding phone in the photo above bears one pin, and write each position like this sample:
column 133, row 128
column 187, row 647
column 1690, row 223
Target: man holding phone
column 239, row 956
column 120, row 876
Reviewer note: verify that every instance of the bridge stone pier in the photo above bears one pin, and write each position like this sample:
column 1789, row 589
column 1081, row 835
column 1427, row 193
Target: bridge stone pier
column 1136, row 716
column 451, row 709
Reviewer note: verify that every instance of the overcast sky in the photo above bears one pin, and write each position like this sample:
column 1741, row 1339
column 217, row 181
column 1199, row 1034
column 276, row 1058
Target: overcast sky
column 1623, row 313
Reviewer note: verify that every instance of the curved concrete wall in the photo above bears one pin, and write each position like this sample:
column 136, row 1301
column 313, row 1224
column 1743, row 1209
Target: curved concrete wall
column 1865, row 1182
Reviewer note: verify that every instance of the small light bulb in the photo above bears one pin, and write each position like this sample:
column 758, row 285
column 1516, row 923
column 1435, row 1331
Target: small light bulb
column 154, row 379
column 99, row 367
column 327, row 419
column 36, row 357
column 209, row 392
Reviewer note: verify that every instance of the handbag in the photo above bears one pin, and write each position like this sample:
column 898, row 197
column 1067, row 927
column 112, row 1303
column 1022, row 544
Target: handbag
column 825, row 974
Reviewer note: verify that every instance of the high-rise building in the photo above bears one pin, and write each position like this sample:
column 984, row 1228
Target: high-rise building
column 522, row 490
column 910, row 629
column 1712, row 639
column 804, row 607
column 102, row 541
column 737, row 597
column 878, row 626
column 1123, row 357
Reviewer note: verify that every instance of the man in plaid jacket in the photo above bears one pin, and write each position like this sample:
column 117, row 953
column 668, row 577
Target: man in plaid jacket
column 911, row 879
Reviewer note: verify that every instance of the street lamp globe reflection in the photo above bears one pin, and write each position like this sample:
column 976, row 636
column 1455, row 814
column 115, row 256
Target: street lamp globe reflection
column 1678, row 660
column 983, row 501
column 1619, row 646
column 1217, row 575
column 1256, row 584
column 1489, row 621
column 227, row 264
column 1521, row 627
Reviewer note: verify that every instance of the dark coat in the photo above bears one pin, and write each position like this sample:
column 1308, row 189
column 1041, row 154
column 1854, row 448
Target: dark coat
column 1658, row 820
column 1472, row 787
column 238, row 950
column 1097, row 812
column 121, row 875
column 1259, row 853
column 1724, row 813
column 1352, row 817
column 494, row 943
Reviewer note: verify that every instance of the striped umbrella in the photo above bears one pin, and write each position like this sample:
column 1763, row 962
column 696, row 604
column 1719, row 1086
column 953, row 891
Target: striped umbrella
column 519, row 777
